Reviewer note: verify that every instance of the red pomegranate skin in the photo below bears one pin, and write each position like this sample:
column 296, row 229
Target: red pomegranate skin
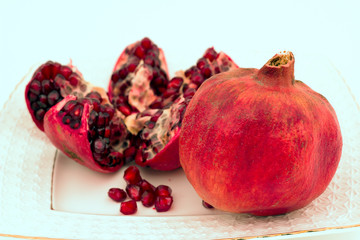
column 259, row 141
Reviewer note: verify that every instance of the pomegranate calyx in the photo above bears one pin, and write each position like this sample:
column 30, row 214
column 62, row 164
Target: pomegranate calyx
column 278, row 71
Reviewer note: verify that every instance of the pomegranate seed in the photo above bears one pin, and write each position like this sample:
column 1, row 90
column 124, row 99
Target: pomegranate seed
column 69, row 105
column 197, row 78
column 134, row 192
column 115, row 77
column 146, row 43
column 206, row 72
column 129, row 153
column 46, row 86
column 53, row 97
column 32, row 97
column 74, row 124
column 115, row 158
column 99, row 145
column 117, row 194
column 149, row 60
column 139, row 52
column 39, row 114
column 65, row 71
column 206, row 205
column 124, row 109
column 123, row 72
column 46, row 70
column 35, row 87
column 176, row 82
column 74, row 79
column 66, row 119
column 163, row 191
column 146, row 186
column 202, row 62
column 77, row 111
column 163, row 204
column 43, row 99
column 132, row 175
column 128, row 207
column 210, row 54
column 94, row 95
column 148, row 198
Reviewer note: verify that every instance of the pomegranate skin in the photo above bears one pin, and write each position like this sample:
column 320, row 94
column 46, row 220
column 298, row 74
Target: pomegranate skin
column 73, row 143
column 259, row 141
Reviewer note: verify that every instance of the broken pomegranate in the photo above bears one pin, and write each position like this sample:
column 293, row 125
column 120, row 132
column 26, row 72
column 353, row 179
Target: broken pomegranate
column 266, row 144
column 162, row 120
column 88, row 130
column 139, row 77
column 50, row 83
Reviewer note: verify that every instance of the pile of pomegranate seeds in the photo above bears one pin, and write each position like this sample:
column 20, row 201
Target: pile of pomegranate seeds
column 138, row 189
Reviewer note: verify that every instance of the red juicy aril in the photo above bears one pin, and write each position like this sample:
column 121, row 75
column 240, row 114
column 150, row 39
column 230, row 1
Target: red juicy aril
column 88, row 130
column 266, row 144
column 50, row 83
column 162, row 120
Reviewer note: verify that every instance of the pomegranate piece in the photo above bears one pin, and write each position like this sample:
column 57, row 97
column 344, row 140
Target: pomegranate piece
column 207, row 205
column 88, row 130
column 163, row 203
column 139, row 77
column 132, row 175
column 162, row 122
column 128, row 207
column 271, row 133
column 117, row 194
column 148, row 198
column 134, row 192
column 163, row 190
column 50, row 83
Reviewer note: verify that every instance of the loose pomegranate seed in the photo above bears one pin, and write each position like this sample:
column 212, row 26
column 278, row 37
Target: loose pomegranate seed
column 163, row 191
column 117, row 194
column 134, row 192
column 146, row 186
column 163, row 204
column 128, row 207
column 148, row 198
column 132, row 175
column 206, row 205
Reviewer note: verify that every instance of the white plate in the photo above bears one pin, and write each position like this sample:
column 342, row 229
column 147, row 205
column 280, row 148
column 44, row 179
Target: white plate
column 65, row 200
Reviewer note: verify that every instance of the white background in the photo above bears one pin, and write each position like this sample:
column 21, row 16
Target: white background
column 93, row 34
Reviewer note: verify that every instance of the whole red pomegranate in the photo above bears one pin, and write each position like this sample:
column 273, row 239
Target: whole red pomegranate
column 259, row 141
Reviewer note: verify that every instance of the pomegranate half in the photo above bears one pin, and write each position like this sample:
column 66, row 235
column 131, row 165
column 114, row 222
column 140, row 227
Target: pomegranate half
column 259, row 141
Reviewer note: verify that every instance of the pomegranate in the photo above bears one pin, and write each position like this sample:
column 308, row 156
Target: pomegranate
column 139, row 76
column 88, row 130
column 259, row 141
column 162, row 120
column 50, row 83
